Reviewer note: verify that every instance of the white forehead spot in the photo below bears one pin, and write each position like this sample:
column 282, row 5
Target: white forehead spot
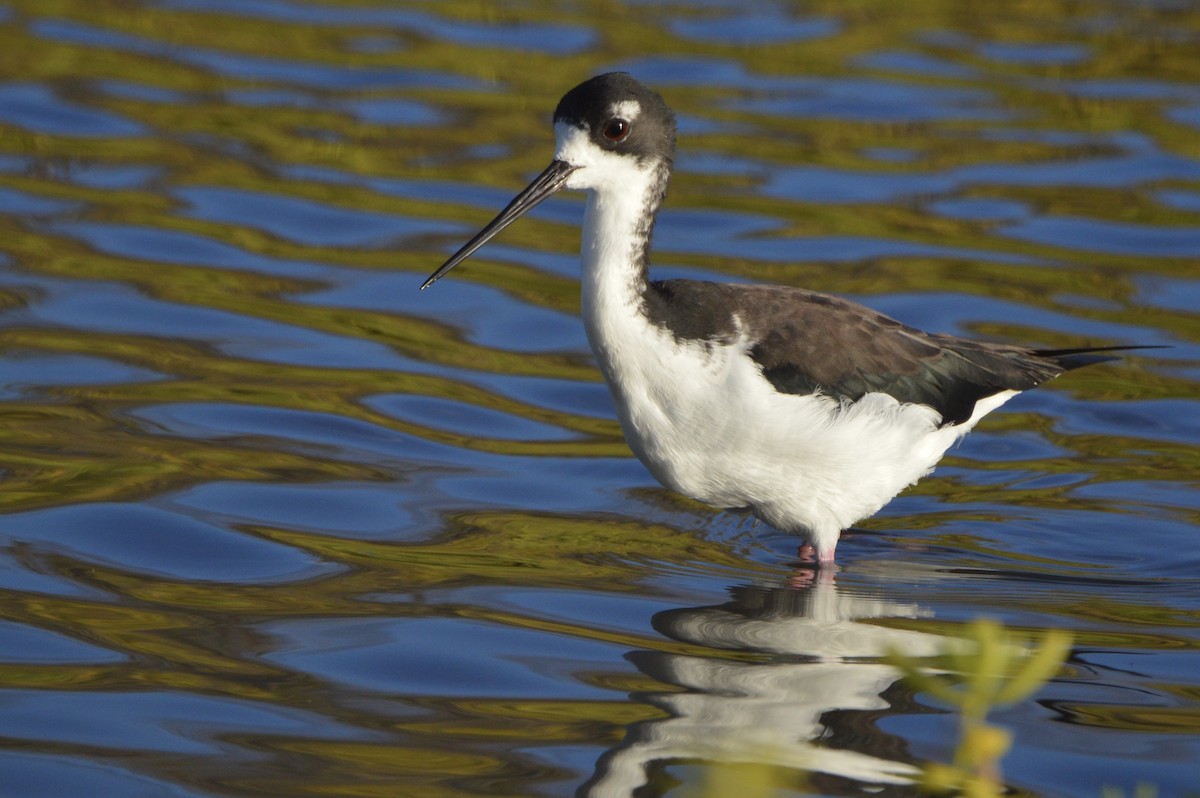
column 569, row 138
column 574, row 146
column 626, row 109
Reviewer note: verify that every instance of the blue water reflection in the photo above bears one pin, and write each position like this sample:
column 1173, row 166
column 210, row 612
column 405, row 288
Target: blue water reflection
column 160, row 542
column 38, row 108
column 275, row 522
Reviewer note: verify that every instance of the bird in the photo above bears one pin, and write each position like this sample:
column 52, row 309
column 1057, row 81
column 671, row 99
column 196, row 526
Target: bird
column 810, row 410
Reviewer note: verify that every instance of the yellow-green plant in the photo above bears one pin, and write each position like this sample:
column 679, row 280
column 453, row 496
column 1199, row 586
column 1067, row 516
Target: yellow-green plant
column 989, row 667
column 751, row 779
column 1140, row 791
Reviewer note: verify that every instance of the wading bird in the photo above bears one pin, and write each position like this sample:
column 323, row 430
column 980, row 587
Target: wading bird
column 810, row 410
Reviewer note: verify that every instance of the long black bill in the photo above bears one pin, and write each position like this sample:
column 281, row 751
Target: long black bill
column 542, row 186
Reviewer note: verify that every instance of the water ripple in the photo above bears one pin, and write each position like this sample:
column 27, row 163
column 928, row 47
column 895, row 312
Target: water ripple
column 275, row 522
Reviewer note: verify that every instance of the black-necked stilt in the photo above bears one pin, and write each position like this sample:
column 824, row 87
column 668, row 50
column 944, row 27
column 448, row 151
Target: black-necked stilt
column 811, row 410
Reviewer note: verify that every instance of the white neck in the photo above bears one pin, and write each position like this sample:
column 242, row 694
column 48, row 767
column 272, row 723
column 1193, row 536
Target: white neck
column 614, row 260
column 623, row 195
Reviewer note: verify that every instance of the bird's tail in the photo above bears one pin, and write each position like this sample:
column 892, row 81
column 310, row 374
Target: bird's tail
column 1069, row 359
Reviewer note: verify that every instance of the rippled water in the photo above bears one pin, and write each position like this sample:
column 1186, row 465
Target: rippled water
column 272, row 522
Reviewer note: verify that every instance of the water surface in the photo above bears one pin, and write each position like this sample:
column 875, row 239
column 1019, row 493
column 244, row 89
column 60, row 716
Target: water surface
column 273, row 522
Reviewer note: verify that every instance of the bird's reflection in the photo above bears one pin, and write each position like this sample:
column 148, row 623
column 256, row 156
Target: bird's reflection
column 819, row 652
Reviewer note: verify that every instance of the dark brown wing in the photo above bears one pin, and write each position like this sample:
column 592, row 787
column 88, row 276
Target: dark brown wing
column 807, row 342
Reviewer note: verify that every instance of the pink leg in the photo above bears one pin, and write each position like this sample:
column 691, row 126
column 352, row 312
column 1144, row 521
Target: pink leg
column 821, row 556
column 812, row 571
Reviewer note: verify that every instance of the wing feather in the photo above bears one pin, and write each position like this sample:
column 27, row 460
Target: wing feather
column 807, row 342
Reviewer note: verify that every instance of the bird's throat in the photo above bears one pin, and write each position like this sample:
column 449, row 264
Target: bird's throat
column 616, row 246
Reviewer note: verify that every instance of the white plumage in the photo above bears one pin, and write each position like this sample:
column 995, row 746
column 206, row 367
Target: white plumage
column 811, row 411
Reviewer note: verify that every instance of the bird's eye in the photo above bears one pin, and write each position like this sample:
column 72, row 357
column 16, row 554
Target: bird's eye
column 616, row 129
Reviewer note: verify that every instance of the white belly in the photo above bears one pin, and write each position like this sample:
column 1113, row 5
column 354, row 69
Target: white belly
column 708, row 424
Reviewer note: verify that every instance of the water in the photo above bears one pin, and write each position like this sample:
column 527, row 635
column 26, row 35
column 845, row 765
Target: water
column 272, row 522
